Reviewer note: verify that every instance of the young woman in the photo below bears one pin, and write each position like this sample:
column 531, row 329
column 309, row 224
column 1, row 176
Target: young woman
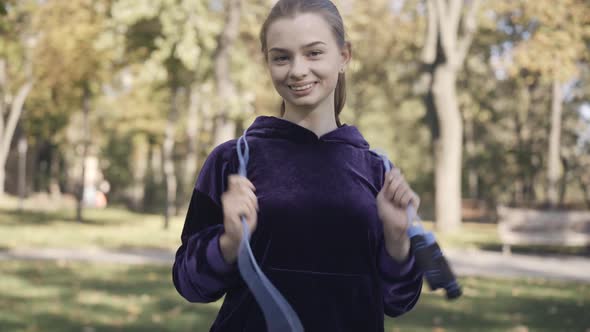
column 328, row 222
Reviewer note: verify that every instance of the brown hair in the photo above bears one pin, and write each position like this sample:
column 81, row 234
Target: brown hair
column 290, row 8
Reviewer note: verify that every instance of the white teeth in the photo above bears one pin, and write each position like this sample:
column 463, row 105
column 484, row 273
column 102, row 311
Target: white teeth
column 305, row 87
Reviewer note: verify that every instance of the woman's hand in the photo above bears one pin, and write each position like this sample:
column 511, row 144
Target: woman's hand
column 238, row 200
column 392, row 202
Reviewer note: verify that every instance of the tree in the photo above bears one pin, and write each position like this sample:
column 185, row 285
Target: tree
column 70, row 63
column 225, row 127
column 16, row 76
column 168, row 47
column 450, row 31
column 554, row 46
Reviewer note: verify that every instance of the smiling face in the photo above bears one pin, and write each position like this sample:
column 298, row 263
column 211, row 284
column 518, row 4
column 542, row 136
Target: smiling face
column 304, row 60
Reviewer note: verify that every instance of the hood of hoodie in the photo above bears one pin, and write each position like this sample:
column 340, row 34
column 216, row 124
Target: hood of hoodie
column 277, row 128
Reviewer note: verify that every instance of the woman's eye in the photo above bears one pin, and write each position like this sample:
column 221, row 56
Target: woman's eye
column 280, row 58
column 315, row 53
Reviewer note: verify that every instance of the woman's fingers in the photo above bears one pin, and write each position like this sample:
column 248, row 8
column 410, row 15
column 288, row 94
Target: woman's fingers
column 398, row 191
column 390, row 184
column 406, row 197
column 240, row 181
column 415, row 200
column 239, row 200
column 399, row 188
column 246, row 189
column 244, row 206
column 251, row 210
column 251, row 196
column 396, row 182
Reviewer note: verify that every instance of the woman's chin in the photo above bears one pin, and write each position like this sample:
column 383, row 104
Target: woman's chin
column 303, row 105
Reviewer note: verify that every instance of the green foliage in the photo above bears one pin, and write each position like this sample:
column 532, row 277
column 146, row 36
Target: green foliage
column 505, row 95
column 380, row 99
column 553, row 37
column 118, row 149
column 133, row 53
column 67, row 55
column 16, row 40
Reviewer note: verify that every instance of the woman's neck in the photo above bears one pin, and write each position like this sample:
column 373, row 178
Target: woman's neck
column 320, row 120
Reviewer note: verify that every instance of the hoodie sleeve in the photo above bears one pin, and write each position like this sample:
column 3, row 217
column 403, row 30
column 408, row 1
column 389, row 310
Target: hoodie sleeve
column 200, row 273
column 402, row 281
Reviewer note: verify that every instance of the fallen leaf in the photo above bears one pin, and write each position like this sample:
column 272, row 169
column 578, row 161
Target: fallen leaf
column 156, row 318
column 437, row 320
column 520, row 328
column 517, row 317
column 516, row 291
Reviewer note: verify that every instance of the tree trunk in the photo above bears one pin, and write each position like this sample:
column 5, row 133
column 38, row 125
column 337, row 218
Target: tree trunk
column 564, row 180
column 168, row 151
column 225, row 126
column 517, row 191
column 153, row 182
column 553, row 158
column 3, row 88
column 156, row 164
column 472, row 177
column 85, row 143
column 448, row 150
column 521, row 133
column 7, row 129
column 192, row 134
column 54, row 171
column 22, row 170
column 586, row 190
column 140, row 165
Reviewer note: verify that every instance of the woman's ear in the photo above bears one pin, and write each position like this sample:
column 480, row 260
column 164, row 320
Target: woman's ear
column 346, row 54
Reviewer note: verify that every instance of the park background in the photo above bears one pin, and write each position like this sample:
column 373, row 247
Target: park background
column 108, row 109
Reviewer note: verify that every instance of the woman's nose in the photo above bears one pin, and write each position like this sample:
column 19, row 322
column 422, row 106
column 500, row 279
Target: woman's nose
column 300, row 67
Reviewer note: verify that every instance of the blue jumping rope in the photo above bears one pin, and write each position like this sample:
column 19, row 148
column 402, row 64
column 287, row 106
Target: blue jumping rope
column 279, row 315
column 429, row 257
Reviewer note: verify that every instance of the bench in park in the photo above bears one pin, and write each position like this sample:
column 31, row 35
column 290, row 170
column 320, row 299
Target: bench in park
column 518, row 226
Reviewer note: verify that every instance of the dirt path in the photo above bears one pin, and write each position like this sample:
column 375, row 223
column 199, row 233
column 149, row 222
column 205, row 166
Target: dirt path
column 463, row 262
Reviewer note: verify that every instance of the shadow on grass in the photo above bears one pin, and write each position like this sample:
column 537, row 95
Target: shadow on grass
column 88, row 297
column 18, row 218
column 68, row 297
column 501, row 305
column 15, row 217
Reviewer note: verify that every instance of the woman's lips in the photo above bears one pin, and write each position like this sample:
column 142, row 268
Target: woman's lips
column 301, row 90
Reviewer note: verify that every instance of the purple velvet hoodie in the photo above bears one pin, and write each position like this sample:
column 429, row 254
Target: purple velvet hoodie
column 319, row 238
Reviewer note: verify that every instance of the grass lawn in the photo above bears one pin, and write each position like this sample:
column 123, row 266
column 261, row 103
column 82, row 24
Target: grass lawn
column 91, row 297
column 118, row 228
column 109, row 228
column 115, row 228
column 87, row 297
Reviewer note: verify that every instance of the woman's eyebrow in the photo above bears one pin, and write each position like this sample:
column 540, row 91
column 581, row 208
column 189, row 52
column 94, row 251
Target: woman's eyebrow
column 277, row 49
